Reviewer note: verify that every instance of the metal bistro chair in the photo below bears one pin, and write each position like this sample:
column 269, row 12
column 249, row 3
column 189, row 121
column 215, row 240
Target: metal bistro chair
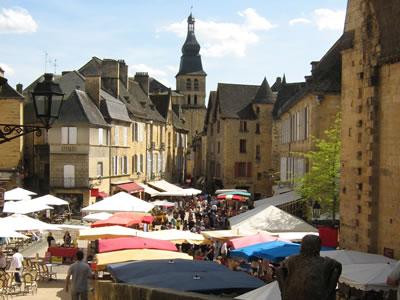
column 30, row 285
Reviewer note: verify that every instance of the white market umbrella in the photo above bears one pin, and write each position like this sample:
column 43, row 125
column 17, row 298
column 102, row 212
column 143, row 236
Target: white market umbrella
column 97, row 217
column 72, row 227
column 175, row 236
column 20, row 222
column 18, row 194
column 24, row 207
column 163, row 203
column 8, row 233
column 50, row 200
column 105, row 232
column 120, row 202
column 269, row 291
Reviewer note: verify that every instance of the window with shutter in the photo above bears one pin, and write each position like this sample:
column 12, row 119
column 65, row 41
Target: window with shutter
column 64, row 135
column 249, row 169
column 116, row 135
column 125, row 164
column 72, row 135
column 101, row 133
column 141, row 163
column 100, row 169
column 69, row 176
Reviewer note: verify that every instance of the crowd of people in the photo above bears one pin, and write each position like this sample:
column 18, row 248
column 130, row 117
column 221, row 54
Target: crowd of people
column 199, row 214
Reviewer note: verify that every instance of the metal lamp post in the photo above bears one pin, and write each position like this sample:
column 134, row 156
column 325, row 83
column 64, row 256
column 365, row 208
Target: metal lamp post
column 47, row 99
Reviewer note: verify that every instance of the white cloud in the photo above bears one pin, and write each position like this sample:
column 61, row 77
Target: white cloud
column 16, row 20
column 219, row 39
column 328, row 19
column 7, row 69
column 161, row 75
column 299, row 21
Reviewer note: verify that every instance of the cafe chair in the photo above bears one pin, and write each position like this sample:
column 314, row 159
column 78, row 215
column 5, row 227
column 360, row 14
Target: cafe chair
column 46, row 273
column 30, row 285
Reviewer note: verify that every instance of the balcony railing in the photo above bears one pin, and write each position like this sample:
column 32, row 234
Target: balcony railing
column 69, row 182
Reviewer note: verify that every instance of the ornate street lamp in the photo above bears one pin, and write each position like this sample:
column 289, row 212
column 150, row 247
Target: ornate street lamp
column 47, row 99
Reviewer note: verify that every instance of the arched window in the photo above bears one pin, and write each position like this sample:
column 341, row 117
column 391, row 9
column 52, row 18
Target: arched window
column 188, row 99
column 188, row 84
column 195, row 99
column 196, row 84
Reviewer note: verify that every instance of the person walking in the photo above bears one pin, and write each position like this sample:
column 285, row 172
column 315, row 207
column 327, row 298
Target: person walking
column 50, row 238
column 16, row 264
column 3, row 261
column 80, row 272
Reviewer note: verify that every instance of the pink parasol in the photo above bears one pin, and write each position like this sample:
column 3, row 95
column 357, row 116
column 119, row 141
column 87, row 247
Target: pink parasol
column 108, row 245
column 261, row 237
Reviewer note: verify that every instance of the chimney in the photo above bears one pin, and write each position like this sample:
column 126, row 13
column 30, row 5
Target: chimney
column 143, row 79
column 92, row 87
column 313, row 65
column 123, row 73
column 1, row 72
column 19, row 88
column 110, row 76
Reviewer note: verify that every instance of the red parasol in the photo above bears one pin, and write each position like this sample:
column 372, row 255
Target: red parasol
column 231, row 197
column 108, row 245
column 126, row 219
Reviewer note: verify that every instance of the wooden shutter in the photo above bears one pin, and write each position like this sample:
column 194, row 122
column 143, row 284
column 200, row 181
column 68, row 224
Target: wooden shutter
column 249, row 169
column 72, row 135
column 64, row 135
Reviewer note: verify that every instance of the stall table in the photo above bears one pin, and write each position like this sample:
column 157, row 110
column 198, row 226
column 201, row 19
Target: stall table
column 63, row 252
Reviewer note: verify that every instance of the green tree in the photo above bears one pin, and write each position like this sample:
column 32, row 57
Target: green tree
column 321, row 182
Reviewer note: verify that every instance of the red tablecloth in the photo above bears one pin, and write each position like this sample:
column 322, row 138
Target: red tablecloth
column 64, row 252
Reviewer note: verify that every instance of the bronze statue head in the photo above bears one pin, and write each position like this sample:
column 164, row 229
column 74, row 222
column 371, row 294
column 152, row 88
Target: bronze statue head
column 310, row 245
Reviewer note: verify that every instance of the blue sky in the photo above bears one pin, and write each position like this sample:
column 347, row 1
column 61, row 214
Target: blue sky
column 242, row 41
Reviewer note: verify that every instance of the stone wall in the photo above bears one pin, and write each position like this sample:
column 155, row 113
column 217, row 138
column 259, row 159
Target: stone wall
column 105, row 290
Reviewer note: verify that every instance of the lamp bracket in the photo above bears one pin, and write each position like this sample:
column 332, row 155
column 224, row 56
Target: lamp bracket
column 12, row 131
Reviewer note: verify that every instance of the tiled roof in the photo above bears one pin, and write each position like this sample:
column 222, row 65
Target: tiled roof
column 113, row 108
column 146, row 105
column 161, row 101
column 235, row 100
column 264, row 94
column 7, row 92
column 79, row 108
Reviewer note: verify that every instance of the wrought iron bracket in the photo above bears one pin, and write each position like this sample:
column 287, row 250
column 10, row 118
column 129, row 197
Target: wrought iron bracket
column 9, row 132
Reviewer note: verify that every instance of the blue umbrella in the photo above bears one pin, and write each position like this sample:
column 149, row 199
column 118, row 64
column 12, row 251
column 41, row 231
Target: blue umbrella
column 247, row 252
column 278, row 253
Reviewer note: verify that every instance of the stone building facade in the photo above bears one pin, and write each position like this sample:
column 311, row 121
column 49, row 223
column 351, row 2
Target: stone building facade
column 11, row 152
column 239, row 138
column 370, row 128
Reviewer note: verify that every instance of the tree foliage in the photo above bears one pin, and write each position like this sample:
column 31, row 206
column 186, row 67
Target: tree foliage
column 321, row 182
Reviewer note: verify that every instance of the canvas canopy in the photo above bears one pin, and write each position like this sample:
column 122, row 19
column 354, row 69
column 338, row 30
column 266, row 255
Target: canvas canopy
column 18, row 194
column 109, row 245
column 164, row 203
column 294, row 236
column 97, row 216
column 8, row 233
column 367, row 277
column 226, row 234
column 194, row 276
column 138, row 254
column 126, row 219
column 50, row 200
column 277, row 200
column 179, row 193
column 107, row 232
column 269, row 291
column 217, row 192
column 118, row 203
column 165, row 186
column 24, row 207
column 149, row 190
column 348, row 257
column 72, row 227
column 176, row 236
column 261, row 237
column 19, row 222
column 270, row 218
